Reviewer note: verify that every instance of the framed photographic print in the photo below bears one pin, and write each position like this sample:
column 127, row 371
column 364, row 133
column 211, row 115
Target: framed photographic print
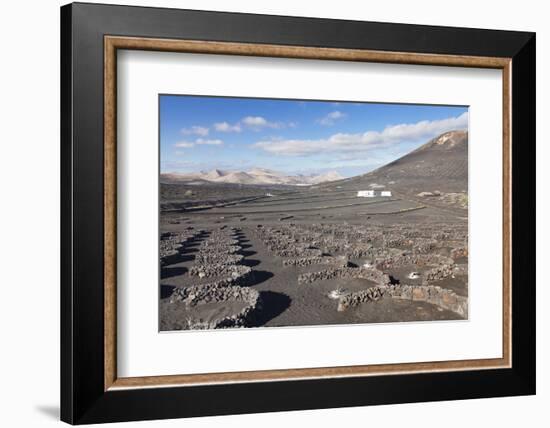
column 265, row 213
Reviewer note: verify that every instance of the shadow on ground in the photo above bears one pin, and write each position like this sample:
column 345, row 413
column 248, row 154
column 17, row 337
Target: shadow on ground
column 166, row 291
column 273, row 304
column 250, row 262
column 169, row 272
column 258, row 277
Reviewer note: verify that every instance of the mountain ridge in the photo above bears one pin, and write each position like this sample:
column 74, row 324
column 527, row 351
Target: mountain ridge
column 254, row 176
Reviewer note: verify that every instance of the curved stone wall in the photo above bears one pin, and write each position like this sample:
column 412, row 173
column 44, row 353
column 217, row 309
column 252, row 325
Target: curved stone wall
column 345, row 273
column 198, row 295
column 444, row 298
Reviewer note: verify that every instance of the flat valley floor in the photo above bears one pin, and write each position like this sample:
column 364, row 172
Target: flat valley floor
column 253, row 256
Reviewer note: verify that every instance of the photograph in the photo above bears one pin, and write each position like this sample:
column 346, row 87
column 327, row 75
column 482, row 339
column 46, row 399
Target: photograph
column 290, row 212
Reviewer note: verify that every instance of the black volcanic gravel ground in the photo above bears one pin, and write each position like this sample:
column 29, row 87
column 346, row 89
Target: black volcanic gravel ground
column 286, row 302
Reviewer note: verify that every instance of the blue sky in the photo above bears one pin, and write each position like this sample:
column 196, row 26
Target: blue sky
column 295, row 137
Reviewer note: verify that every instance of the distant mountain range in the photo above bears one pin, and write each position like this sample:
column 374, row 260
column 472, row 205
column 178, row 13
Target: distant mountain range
column 441, row 164
column 256, row 176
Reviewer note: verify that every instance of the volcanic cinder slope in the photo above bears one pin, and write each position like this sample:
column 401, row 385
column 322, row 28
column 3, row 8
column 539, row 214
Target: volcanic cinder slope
column 439, row 167
column 248, row 255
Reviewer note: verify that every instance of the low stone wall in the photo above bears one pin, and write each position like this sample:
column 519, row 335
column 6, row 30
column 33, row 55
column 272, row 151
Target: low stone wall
column 234, row 272
column 295, row 251
column 336, row 245
column 442, row 236
column 197, row 295
column 322, row 260
column 444, row 298
column 361, row 251
column 437, row 273
column 412, row 233
column 218, row 241
column 345, row 273
column 172, row 242
column 414, row 259
column 220, row 248
column 423, row 246
column 397, row 241
column 371, row 294
column 203, row 258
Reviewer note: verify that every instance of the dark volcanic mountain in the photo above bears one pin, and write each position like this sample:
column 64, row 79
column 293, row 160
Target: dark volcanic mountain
column 444, row 157
column 436, row 171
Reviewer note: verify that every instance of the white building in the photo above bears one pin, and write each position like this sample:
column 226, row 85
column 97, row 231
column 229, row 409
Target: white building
column 373, row 193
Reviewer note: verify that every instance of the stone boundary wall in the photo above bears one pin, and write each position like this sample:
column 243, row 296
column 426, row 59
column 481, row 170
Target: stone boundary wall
column 345, row 273
column 218, row 241
column 372, row 252
column 397, row 241
column 235, row 272
column 423, row 246
column 442, row 297
column 341, row 261
column 303, row 251
column 221, row 248
column 414, row 259
column 371, row 294
column 203, row 258
column 437, row 273
column 197, row 295
column 171, row 243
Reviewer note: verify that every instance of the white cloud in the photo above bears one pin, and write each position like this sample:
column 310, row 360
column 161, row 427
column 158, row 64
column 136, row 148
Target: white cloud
column 184, row 145
column 342, row 142
column 195, row 130
column 331, row 118
column 258, row 122
column 226, row 127
column 255, row 123
column 200, row 141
